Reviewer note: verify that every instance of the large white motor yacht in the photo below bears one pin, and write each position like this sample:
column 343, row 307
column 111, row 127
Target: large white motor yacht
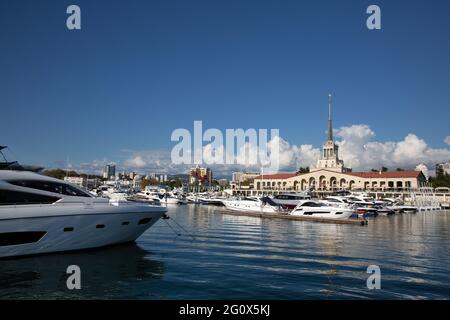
column 290, row 200
column 39, row 214
column 317, row 209
column 253, row 204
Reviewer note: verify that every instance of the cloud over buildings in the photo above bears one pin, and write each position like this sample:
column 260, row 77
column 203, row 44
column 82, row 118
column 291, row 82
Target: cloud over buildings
column 357, row 147
column 447, row 140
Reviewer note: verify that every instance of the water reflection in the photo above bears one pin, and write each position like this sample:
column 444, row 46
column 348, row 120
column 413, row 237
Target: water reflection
column 107, row 272
column 237, row 257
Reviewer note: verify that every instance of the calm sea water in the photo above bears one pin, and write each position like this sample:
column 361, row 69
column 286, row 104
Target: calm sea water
column 250, row 258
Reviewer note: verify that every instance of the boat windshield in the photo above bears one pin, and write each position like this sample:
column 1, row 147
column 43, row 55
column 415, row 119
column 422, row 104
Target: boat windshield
column 50, row 186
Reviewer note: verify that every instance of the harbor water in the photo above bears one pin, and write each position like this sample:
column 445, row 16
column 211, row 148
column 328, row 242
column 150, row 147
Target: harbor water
column 218, row 256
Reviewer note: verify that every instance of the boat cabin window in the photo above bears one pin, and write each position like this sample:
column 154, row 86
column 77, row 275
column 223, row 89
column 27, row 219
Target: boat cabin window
column 50, row 186
column 16, row 238
column 332, row 200
column 311, row 204
column 290, row 197
column 8, row 197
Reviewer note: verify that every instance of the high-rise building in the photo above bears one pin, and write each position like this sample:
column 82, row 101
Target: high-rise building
column 109, row 171
column 200, row 175
column 443, row 168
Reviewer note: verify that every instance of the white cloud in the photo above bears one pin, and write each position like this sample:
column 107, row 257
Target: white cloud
column 152, row 161
column 424, row 169
column 136, row 162
column 361, row 153
column 447, row 140
column 94, row 167
column 357, row 147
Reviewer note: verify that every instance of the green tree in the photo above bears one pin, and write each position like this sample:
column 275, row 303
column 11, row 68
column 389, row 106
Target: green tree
column 60, row 173
column 247, row 182
column 148, row 182
column 176, row 183
column 303, row 170
column 441, row 180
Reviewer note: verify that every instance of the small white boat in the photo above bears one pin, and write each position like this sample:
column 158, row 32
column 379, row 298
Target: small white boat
column 399, row 206
column 317, row 209
column 192, row 198
column 170, row 198
column 215, row 201
column 147, row 195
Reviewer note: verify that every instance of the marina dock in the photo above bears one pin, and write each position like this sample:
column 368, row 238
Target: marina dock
column 361, row 222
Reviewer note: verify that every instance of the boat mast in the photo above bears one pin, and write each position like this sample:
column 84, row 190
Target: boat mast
column 1, row 148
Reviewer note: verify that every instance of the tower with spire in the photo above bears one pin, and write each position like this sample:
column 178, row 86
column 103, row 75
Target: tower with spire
column 330, row 154
column 330, row 126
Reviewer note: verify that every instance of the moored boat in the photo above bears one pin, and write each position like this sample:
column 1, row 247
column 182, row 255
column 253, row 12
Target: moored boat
column 39, row 214
column 290, row 200
column 317, row 209
column 254, row 204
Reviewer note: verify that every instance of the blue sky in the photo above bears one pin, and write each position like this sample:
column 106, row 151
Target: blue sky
column 140, row 69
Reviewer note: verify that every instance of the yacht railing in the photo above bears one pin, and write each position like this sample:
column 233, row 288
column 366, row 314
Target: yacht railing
column 74, row 203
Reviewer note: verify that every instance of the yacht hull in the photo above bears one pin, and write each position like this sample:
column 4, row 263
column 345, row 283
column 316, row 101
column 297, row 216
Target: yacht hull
column 173, row 201
column 324, row 214
column 248, row 208
column 71, row 231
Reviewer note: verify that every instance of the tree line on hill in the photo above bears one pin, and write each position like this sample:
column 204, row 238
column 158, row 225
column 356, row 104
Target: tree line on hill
column 60, row 174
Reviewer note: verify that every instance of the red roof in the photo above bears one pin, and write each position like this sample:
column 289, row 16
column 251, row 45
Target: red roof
column 276, row 176
column 365, row 174
column 387, row 174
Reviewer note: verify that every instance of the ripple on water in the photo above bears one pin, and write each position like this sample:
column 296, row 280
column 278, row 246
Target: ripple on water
column 235, row 257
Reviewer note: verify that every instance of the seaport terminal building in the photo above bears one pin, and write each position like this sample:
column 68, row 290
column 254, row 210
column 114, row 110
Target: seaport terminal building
column 330, row 175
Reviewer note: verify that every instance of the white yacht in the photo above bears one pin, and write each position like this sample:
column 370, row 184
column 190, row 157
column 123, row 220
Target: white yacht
column 317, row 209
column 172, row 198
column 192, row 198
column 148, row 195
column 290, row 200
column 399, row 206
column 212, row 200
column 253, row 204
column 39, row 214
column 336, row 201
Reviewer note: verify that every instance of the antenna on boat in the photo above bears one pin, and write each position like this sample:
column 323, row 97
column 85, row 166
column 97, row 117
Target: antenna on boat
column 68, row 166
column 1, row 148
column 262, row 177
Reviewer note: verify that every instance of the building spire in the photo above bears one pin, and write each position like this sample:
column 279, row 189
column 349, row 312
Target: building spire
column 330, row 127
